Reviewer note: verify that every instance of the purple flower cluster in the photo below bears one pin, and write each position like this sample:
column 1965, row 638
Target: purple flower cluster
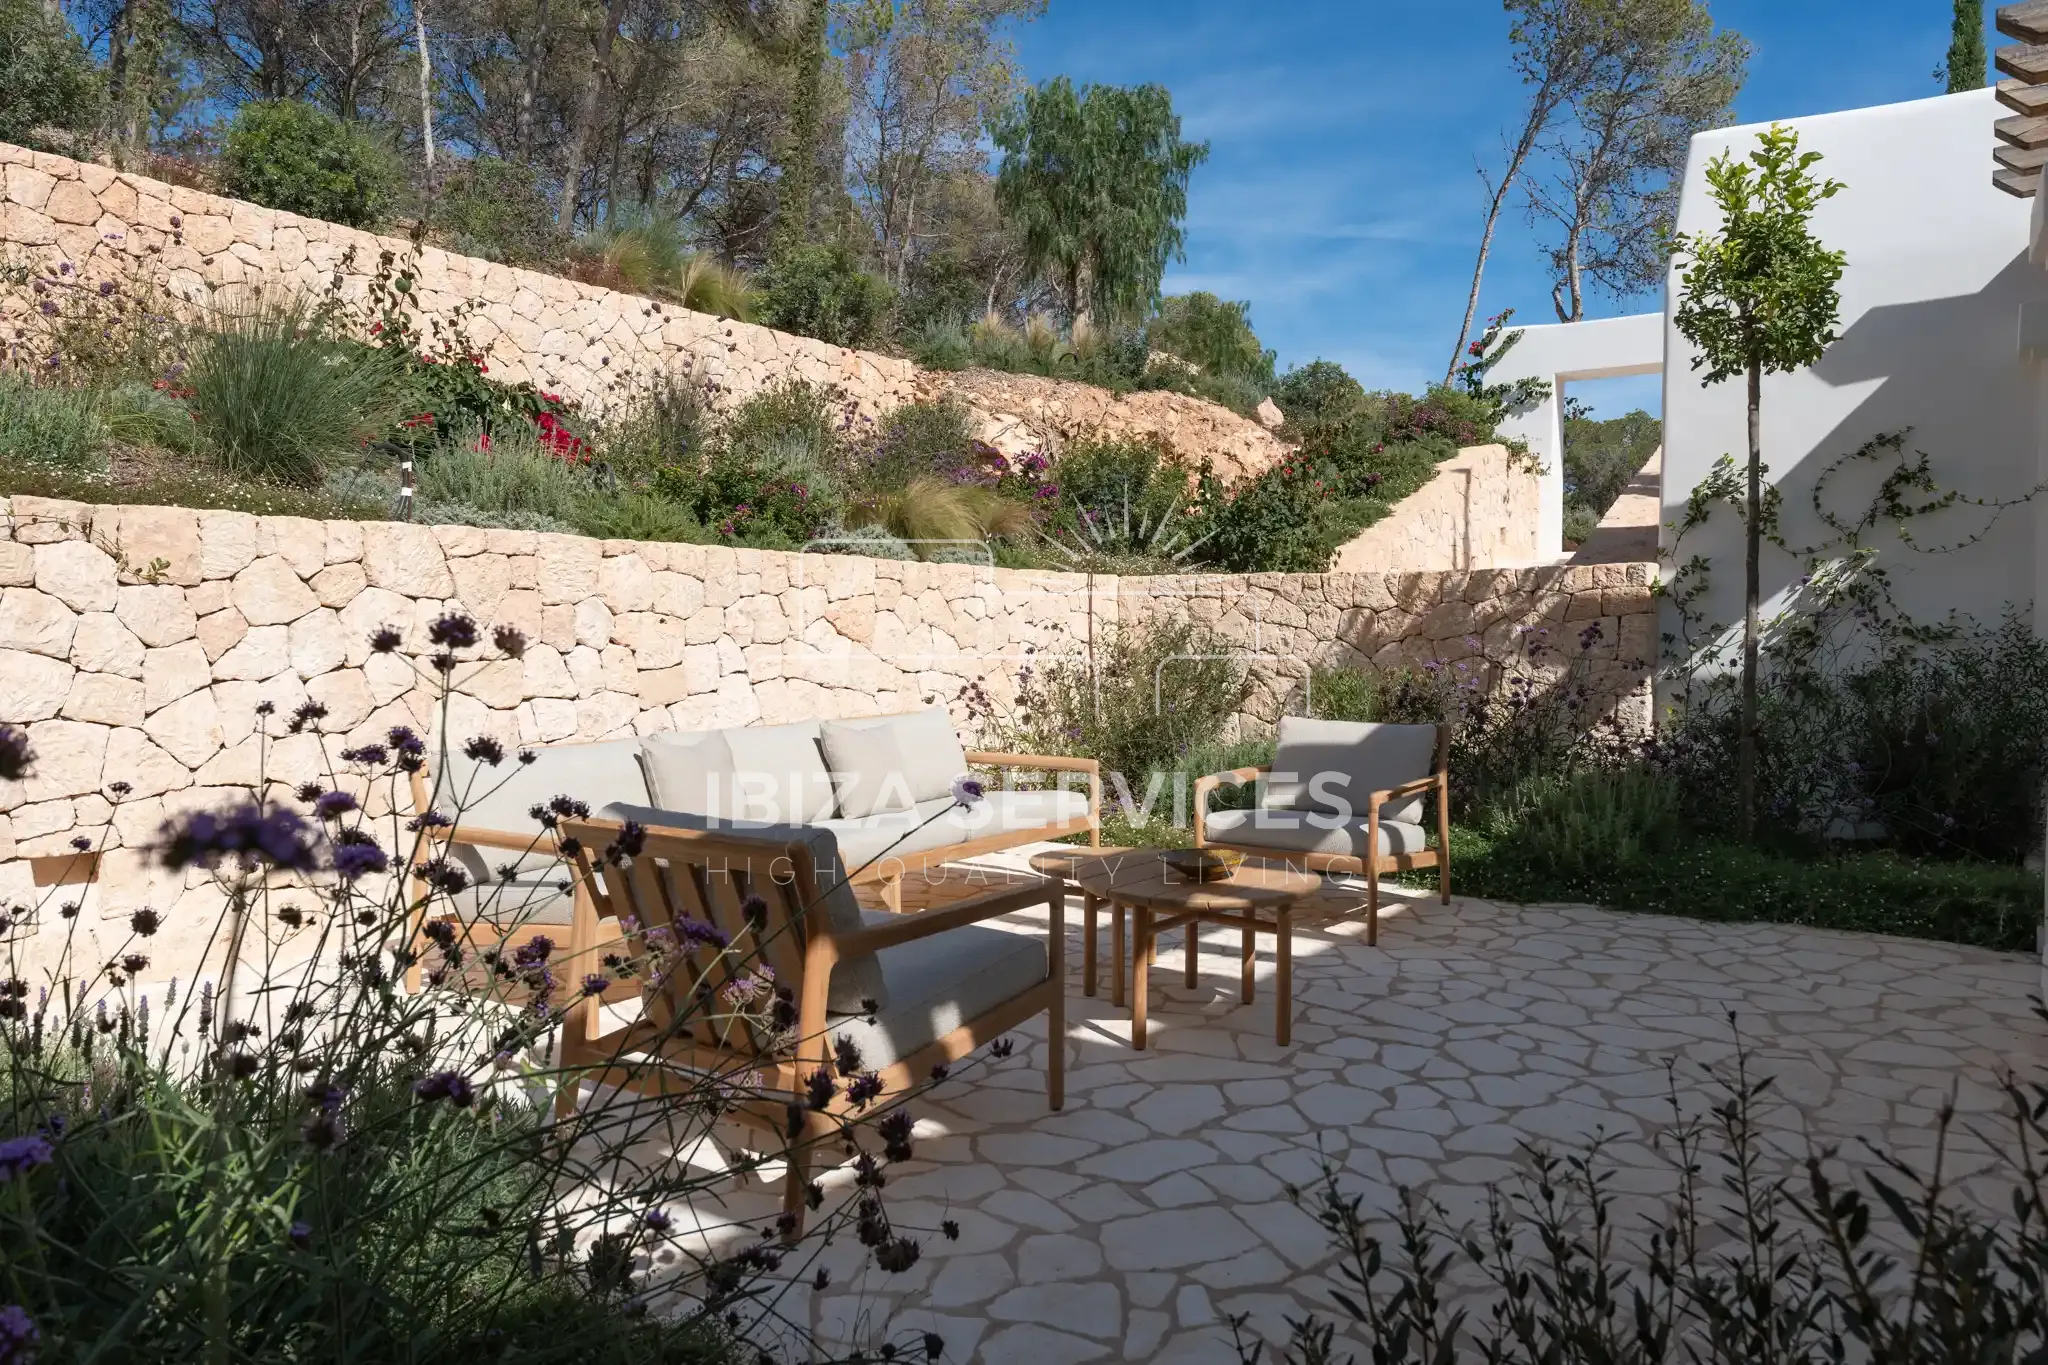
column 276, row 837
column 18, row 1156
column 451, row 1086
column 18, row 1336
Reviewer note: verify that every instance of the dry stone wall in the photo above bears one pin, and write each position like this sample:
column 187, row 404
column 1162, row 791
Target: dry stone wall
column 595, row 345
column 155, row 678
column 1482, row 509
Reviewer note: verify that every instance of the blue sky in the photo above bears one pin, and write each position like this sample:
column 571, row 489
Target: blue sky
column 1340, row 197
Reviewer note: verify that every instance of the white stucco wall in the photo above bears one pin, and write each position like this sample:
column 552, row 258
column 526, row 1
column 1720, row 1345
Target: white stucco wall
column 1936, row 283
column 1558, row 354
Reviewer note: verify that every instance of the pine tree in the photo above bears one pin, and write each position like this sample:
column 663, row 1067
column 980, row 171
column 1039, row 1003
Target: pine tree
column 1965, row 65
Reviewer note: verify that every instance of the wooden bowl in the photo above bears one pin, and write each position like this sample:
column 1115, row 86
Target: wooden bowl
column 1203, row 864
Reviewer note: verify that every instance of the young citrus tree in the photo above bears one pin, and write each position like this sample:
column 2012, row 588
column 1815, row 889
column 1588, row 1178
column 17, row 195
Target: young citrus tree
column 1759, row 297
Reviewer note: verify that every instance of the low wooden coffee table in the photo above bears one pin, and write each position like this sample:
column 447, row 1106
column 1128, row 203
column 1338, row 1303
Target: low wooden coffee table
column 1061, row 863
column 1260, row 897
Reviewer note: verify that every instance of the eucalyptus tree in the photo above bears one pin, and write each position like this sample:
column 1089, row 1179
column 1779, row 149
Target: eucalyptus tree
column 1760, row 296
column 1096, row 180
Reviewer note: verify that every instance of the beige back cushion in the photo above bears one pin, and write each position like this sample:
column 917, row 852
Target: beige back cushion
column 891, row 763
column 779, row 774
column 1332, row 765
column 689, row 771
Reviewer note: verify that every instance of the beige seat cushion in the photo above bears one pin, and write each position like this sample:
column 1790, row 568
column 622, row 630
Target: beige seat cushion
column 1289, row 831
column 938, row 984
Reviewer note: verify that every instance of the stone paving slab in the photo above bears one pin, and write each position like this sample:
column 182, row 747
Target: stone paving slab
column 1132, row 1223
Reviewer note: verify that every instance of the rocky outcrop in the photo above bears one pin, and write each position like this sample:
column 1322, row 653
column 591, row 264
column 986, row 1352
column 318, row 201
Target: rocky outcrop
column 1016, row 413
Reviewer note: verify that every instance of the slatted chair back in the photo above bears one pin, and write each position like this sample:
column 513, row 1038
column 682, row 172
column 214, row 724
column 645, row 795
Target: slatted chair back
column 764, row 898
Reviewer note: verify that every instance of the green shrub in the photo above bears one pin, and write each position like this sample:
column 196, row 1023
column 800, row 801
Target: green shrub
column 1580, row 522
column 1212, row 335
column 48, row 82
column 1319, row 393
column 1124, row 502
column 637, row 515
column 498, row 210
column 668, row 425
column 943, row 344
column 875, row 542
column 822, row 292
column 933, row 438
column 275, row 397
column 1156, row 693
column 1579, row 824
column 291, row 156
column 513, row 473
column 51, row 427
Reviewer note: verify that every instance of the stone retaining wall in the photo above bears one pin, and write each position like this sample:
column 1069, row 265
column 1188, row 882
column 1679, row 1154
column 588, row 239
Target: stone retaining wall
column 595, row 345
column 1481, row 509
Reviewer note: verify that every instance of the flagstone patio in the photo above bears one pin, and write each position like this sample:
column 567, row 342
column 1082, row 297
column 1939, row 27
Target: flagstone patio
column 1132, row 1223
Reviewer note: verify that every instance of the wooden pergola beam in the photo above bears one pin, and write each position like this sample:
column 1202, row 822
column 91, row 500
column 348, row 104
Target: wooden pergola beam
column 2021, row 158
column 2026, row 62
column 2021, row 98
column 2018, row 184
column 2022, row 131
column 2027, row 22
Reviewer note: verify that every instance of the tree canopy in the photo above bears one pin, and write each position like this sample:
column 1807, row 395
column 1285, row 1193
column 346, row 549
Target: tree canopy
column 1096, row 180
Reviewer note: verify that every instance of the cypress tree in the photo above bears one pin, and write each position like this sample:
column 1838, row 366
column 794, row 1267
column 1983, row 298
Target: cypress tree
column 1965, row 65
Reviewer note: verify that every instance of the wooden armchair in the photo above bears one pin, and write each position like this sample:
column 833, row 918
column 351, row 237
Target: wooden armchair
column 946, row 985
column 1379, row 761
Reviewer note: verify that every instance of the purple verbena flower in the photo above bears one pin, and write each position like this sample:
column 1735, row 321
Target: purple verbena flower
column 277, row 837
column 333, row 805
column 968, row 791
column 20, row 1155
column 446, row 1085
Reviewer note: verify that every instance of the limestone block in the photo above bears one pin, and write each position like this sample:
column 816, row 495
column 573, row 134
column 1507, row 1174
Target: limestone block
column 241, row 764
column 263, row 653
column 174, row 672
column 460, row 541
column 619, row 673
column 299, row 542
column 389, row 676
column 626, row 583
column 147, row 534
column 32, row 686
column 553, row 719
column 677, row 594
column 36, row 822
column 344, row 542
column 221, row 632
column 567, row 569
column 239, row 702
column 147, row 769
column 69, row 758
column 319, row 644
column 36, row 622
column 664, row 687
column 156, row 615
column 188, row 729
column 208, row 234
column 337, row 585
column 25, row 227
column 406, row 559
column 71, row 202
column 347, row 696
column 656, row 641
column 608, row 715
column 593, row 623
column 103, row 645
column 17, row 565
column 546, row 674
column 79, row 575
column 28, row 188
column 498, row 684
column 368, row 612
column 227, row 543
column 586, row 668
column 104, row 699
column 208, row 598
column 270, row 593
column 481, row 582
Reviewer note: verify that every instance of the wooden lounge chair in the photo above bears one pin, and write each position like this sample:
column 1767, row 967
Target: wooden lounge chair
column 1308, row 813
column 940, row 985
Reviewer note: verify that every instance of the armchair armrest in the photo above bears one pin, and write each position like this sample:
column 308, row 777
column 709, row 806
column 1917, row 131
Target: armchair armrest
column 925, row 923
column 1236, row 777
column 1421, row 786
column 1054, row 764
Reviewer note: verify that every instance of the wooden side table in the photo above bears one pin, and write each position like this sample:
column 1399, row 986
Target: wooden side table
column 1259, row 897
column 1062, row 864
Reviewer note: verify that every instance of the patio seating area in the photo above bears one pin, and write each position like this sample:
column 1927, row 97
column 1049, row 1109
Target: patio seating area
column 1133, row 1222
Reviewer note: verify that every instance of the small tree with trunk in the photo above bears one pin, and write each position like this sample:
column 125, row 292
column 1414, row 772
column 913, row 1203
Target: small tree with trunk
column 1759, row 297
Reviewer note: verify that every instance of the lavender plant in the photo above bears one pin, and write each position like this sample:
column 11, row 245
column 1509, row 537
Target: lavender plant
column 295, row 1157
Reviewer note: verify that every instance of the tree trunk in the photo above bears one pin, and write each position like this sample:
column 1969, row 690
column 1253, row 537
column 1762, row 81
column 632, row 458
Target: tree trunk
column 586, row 115
column 419, row 20
column 1751, row 595
column 529, row 87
